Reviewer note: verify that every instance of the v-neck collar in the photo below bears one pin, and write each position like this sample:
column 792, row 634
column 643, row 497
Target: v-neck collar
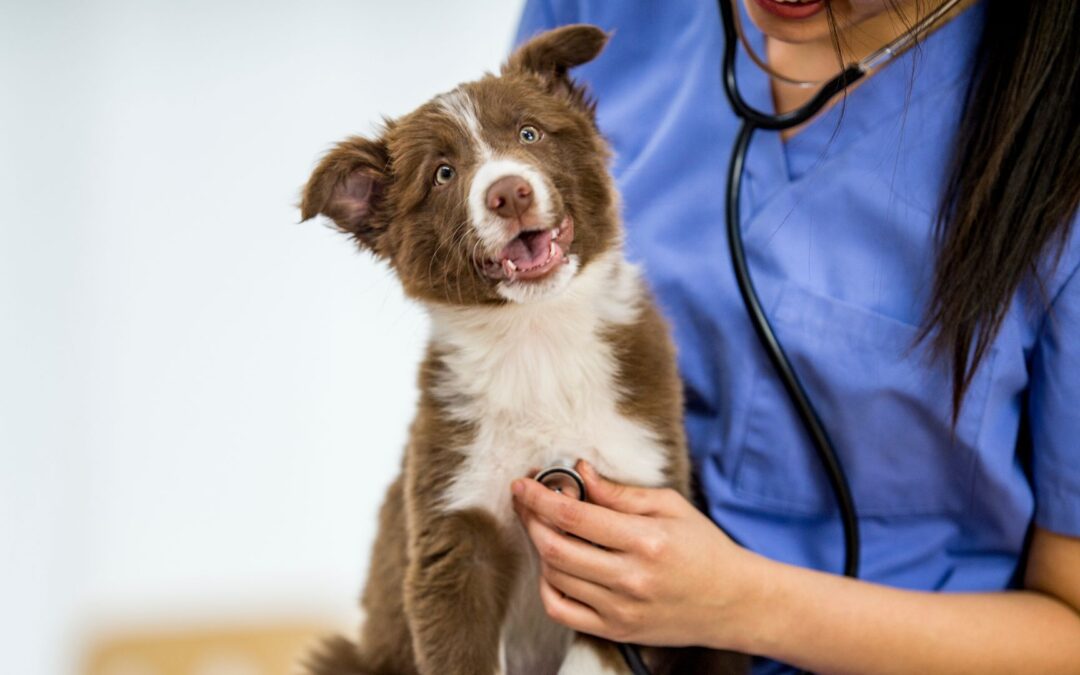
column 937, row 62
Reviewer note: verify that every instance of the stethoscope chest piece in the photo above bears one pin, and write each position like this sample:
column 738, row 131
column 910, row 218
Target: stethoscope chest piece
column 563, row 480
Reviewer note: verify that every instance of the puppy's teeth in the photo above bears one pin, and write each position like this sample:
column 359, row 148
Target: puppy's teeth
column 555, row 232
column 551, row 250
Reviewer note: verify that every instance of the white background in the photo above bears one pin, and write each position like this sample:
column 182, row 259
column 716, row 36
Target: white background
column 201, row 401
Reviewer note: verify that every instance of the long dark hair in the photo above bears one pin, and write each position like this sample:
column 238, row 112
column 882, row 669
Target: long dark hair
column 1014, row 184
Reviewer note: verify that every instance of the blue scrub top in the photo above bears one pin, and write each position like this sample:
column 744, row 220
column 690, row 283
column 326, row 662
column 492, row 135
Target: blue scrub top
column 838, row 223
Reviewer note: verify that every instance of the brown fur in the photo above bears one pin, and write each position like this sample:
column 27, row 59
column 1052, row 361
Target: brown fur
column 461, row 565
column 410, row 223
column 652, row 390
column 440, row 581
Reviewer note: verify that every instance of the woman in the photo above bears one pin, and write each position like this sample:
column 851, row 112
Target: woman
column 915, row 248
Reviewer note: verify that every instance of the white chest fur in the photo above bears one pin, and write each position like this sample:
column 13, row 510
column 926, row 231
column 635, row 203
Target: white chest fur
column 538, row 383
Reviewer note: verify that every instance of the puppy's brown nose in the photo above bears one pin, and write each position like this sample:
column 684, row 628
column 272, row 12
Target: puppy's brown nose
column 509, row 197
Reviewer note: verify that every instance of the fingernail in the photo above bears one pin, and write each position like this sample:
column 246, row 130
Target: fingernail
column 517, row 487
column 588, row 469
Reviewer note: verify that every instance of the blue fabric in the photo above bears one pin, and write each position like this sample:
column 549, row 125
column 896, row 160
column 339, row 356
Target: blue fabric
column 838, row 225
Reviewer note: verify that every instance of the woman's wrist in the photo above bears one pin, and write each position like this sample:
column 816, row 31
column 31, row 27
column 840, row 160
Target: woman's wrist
column 747, row 621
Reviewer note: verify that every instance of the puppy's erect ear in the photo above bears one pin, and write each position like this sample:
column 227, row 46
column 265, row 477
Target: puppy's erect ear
column 550, row 55
column 347, row 186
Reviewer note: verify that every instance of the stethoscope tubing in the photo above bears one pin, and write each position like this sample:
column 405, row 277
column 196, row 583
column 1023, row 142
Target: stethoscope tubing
column 754, row 119
column 808, row 414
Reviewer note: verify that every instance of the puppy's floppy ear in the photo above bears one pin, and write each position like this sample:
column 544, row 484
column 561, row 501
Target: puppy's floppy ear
column 348, row 186
column 550, row 55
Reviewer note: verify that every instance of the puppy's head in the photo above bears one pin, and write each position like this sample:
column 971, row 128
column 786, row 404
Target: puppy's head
column 496, row 191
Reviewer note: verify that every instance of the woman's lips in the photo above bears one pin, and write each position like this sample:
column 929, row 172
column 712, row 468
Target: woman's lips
column 792, row 10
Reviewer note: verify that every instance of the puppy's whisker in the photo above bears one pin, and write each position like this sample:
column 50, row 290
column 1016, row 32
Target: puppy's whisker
column 449, row 242
column 474, row 257
column 461, row 251
column 433, row 258
column 454, row 249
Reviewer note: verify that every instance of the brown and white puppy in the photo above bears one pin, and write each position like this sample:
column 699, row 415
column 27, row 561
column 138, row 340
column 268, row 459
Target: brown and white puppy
column 494, row 206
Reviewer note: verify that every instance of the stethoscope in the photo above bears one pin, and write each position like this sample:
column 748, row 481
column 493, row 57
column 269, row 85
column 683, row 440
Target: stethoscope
column 566, row 480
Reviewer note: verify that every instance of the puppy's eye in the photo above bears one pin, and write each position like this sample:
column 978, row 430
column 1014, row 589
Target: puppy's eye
column 444, row 174
column 529, row 134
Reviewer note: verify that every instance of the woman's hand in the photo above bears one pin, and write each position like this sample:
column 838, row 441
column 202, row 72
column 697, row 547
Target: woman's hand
column 643, row 565
column 652, row 570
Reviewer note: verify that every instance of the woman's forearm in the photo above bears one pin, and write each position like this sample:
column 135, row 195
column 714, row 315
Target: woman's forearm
column 830, row 624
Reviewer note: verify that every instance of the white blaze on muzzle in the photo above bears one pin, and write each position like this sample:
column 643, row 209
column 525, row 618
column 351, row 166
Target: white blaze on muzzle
column 528, row 244
column 493, row 230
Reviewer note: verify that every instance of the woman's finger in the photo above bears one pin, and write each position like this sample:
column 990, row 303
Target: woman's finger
column 572, row 555
column 627, row 499
column 593, row 523
column 590, row 593
column 569, row 612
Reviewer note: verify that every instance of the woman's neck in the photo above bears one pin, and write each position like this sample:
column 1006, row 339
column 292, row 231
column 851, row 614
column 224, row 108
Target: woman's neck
column 817, row 61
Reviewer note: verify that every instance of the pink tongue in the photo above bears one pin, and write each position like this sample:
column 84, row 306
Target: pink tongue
column 528, row 250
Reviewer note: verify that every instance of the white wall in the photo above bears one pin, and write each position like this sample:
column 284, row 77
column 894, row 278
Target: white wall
column 200, row 400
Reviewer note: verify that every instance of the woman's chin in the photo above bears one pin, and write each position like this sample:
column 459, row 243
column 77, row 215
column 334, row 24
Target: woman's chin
column 803, row 22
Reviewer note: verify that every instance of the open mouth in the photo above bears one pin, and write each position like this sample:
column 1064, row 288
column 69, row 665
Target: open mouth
column 533, row 254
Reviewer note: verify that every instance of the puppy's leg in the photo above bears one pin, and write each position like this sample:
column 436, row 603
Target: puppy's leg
column 460, row 576
column 385, row 646
column 336, row 656
column 385, row 640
